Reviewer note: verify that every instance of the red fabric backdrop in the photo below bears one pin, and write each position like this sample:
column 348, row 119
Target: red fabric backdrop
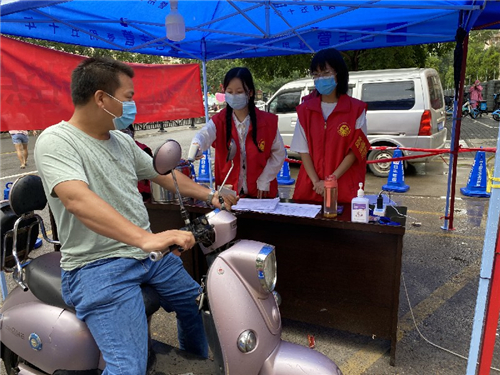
column 35, row 88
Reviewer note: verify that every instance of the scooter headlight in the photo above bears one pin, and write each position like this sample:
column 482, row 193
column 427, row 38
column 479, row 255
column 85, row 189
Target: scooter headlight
column 266, row 268
column 247, row 341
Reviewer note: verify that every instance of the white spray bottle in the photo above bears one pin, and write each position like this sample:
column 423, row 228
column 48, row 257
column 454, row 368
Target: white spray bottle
column 360, row 208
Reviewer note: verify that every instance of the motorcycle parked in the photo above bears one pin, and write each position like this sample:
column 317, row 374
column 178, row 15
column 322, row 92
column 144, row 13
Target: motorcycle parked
column 41, row 335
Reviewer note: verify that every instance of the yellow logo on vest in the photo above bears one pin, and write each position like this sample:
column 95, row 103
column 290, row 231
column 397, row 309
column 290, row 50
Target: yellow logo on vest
column 262, row 145
column 344, row 130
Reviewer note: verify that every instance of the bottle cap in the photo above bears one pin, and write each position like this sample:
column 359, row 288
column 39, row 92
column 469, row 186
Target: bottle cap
column 331, row 181
column 361, row 193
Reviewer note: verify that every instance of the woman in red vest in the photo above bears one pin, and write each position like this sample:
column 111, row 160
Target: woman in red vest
column 260, row 150
column 330, row 134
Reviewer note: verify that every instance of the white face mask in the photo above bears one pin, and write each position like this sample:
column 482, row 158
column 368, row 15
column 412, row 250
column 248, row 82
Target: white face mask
column 237, row 101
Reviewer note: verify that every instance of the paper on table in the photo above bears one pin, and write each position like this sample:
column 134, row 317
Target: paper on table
column 259, row 205
column 273, row 206
column 296, row 209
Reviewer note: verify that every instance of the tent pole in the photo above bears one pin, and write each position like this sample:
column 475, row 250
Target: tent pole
column 485, row 279
column 455, row 137
column 205, row 93
column 485, row 276
column 492, row 314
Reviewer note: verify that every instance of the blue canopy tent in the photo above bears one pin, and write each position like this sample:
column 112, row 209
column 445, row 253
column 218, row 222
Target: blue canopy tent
column 253, row 28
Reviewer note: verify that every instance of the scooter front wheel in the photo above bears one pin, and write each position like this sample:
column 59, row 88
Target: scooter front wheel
column 496, row 117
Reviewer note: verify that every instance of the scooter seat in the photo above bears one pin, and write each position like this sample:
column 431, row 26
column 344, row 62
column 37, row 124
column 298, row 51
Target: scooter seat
column 43, row 277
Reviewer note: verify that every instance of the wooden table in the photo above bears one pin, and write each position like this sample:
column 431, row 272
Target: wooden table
column 331, row 272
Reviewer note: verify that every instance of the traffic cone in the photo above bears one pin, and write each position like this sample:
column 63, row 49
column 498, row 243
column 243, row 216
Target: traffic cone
column 396, row 178
column 284, row 177
column 204, row 169
column 476, row 185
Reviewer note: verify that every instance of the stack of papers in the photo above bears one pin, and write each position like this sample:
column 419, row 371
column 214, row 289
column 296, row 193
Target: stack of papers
column 273, row 206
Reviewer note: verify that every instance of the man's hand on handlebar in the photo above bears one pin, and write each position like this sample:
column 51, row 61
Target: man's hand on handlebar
column 163, row 240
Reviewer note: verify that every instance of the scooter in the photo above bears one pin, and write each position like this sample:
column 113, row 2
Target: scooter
column 41, row 335
column 496, row 107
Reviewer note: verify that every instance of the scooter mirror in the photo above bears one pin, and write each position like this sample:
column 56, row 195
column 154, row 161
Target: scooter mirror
column 167, row 157
column 231, row 152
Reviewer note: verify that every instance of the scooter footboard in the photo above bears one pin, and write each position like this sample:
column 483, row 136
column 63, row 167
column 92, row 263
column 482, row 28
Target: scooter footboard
column 292, row 359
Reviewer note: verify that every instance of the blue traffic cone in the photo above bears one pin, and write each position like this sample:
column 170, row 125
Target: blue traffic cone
column 204, row 169
column 284, row 177
column 396, row 178
column 476, row 185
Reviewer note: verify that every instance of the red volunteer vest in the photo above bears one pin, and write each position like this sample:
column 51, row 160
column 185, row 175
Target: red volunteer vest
column 267, row 127
column 329, row 142
column 144, row 185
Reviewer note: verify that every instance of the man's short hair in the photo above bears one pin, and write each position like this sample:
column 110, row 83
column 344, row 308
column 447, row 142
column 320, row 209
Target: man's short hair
column 97, row 73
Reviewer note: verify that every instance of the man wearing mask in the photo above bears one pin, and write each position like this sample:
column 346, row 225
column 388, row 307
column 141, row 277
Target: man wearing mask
column 90, row 171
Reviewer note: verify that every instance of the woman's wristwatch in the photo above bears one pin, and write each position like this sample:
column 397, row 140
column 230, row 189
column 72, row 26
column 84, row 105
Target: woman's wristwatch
column 210, row 198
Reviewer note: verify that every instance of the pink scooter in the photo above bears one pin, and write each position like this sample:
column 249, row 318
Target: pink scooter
column 41, row 335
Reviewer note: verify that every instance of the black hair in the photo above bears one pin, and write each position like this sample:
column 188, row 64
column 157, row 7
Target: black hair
column 336, row 61
column 97, row 73
column 247, row 80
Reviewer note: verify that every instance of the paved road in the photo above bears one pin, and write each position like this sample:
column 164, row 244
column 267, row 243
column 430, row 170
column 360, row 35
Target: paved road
column 440, row 270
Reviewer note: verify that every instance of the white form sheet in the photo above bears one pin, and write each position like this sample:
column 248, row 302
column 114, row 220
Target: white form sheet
column 258, row 205
column 297, row 209
column 273, row 206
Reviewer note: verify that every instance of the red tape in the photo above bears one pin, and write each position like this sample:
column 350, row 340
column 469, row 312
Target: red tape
column 428, row 152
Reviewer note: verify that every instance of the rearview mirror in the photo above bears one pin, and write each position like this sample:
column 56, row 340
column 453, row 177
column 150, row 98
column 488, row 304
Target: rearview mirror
column 167, row 156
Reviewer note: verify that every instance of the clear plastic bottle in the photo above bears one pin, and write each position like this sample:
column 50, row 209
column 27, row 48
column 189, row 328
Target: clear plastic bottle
column 330, row 197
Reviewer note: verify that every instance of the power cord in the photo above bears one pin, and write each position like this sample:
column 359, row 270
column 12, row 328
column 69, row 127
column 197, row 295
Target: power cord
column 415, row 221
column 420, row 333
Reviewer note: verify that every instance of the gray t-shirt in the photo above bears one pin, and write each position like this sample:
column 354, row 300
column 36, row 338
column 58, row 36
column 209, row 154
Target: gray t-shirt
column 111, row 168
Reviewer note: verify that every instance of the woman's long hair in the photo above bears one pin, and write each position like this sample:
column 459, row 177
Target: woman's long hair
column 246, row 79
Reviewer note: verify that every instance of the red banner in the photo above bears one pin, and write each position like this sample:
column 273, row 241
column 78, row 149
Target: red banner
column 35, row 88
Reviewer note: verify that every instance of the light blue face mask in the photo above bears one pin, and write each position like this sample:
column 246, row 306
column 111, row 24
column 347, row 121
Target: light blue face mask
column 127, row 118
column 237, row 101
column 325, row 85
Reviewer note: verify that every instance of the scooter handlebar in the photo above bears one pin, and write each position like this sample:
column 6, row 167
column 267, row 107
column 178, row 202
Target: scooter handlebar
column 203, row 233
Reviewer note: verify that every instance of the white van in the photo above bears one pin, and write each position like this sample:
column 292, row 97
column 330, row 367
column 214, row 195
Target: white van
column 406, row 108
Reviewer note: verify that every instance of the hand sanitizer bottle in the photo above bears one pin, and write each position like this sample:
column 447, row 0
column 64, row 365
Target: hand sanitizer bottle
column 360, row 209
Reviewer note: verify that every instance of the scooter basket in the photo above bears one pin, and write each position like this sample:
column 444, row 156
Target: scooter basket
column 483, row 105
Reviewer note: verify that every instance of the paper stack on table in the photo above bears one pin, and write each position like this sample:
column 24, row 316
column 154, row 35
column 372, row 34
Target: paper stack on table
column 273, row 206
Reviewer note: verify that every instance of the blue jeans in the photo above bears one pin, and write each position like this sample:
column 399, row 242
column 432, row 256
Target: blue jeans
column 107, row 296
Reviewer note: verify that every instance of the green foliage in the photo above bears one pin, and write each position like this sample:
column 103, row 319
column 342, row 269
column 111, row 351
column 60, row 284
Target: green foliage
column 216, row 71
column 483, row 59
column 269, row 68
column 386, row 58
column 91, row 52
column 270, row 73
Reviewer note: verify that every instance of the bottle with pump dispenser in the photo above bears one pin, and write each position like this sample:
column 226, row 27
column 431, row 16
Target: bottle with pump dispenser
column 360, row 208
column 330, row 197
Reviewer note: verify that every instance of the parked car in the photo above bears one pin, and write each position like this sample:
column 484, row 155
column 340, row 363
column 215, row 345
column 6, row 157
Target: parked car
column 406, row 108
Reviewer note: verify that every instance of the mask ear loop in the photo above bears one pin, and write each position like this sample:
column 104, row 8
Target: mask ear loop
column 118, row 100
